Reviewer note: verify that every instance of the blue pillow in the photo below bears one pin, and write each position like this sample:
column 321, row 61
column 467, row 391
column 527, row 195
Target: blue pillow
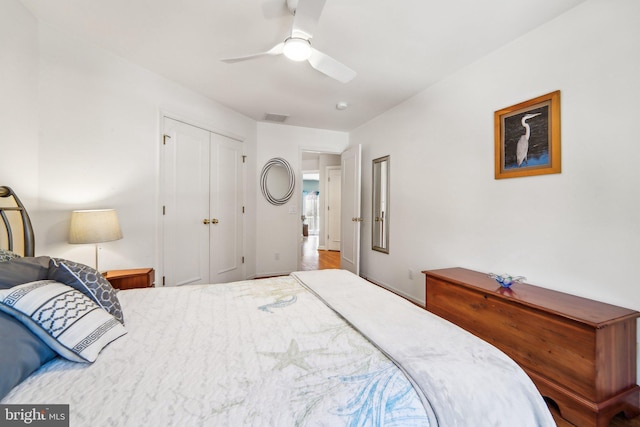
column 23, row 270
column 88, row 281
column 21, row 353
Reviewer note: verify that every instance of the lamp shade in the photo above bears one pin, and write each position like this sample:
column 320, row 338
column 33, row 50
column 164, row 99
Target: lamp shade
column 94, row 226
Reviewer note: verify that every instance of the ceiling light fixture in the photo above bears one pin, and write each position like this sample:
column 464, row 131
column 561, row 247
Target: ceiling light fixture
column 341, row 106
column 297, row 49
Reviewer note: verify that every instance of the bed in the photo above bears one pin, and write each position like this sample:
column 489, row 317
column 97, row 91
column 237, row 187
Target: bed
column 312, row 348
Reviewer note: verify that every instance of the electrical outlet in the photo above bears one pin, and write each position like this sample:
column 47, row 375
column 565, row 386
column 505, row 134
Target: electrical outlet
column 276, row 256
column 410, row 274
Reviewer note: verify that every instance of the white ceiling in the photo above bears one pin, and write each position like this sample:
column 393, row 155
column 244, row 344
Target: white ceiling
column 398, row 48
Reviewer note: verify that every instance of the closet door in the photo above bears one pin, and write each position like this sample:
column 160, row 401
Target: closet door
column 202, row 201
column 226, row 210
column 186, row 153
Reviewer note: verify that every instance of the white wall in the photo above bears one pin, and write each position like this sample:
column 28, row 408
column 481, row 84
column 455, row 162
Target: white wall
column 98, row 121
column 18, row 102
column 279, row 228
column 578, row 231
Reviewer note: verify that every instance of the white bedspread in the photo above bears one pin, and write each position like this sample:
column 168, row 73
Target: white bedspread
column 466, row 381
column 255, row 353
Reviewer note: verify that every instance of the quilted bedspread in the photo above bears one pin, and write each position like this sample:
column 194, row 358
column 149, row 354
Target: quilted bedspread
column 321, row 348
column 256, row 353
column 463, row 380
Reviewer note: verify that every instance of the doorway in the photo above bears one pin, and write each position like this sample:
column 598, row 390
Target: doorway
column 349, row 206
column 314, row 253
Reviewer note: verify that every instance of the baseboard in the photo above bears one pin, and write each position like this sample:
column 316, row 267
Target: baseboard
column 395, row 291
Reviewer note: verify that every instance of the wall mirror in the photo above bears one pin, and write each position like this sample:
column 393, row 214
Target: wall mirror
column 277, row 181
column 380, row 212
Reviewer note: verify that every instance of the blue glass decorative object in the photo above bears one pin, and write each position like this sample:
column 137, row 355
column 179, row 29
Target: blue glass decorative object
column 506, row 280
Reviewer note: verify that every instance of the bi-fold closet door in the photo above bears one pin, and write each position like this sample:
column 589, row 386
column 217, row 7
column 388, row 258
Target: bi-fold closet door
column 202, row 206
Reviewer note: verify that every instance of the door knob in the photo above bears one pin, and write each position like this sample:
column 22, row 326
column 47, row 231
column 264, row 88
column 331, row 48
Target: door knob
column 205, row 221
column 214, row 221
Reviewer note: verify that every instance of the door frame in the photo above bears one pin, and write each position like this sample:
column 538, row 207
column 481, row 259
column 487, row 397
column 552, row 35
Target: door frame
column 160, row 175
column 302, row 149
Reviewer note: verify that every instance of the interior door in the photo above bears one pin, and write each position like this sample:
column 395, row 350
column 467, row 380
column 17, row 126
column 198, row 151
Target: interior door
column 185, row 248
column 351, row 214
column 333, row 208
column 226, row 228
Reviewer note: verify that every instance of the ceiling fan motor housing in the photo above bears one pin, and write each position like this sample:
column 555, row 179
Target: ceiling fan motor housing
column 292, row 5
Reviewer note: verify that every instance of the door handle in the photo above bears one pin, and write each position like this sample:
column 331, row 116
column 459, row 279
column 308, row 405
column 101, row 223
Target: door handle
column 357, row 219
column 214, row 221
column 206, row 221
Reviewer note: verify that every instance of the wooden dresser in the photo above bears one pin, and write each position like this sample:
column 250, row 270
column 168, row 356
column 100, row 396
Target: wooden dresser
column 579, row 352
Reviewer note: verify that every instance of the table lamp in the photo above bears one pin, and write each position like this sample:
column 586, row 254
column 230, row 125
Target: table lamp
column 94, row 226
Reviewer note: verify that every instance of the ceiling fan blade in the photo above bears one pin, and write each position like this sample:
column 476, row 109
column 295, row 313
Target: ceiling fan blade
column 329, row 66
column 276, row 50
column 306, row 19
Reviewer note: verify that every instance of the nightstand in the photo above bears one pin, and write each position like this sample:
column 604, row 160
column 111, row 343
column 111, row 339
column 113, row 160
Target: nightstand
column 130, row 279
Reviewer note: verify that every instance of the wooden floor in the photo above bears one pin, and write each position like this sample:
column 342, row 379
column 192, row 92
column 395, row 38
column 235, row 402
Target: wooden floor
column 313, row 259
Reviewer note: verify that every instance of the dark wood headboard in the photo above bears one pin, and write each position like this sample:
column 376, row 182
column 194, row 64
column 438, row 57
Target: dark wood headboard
column 16, row 231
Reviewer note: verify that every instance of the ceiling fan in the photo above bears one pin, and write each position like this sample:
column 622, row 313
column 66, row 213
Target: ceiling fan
column 297, row 46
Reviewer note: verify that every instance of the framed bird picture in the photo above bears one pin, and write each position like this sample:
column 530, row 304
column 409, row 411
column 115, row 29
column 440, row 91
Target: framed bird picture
column 527, row 138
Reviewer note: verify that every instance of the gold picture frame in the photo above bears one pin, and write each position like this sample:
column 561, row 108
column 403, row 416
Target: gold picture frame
column 527, row 138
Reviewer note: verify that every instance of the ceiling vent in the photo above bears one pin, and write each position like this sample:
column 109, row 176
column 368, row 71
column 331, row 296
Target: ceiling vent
column 278, row 118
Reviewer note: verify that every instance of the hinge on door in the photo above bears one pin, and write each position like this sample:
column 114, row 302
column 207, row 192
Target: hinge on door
column 328, row 208
column 162, row 280
column 243, row 209
column 244, row 158
column 243, row 260
column 164, row 210
column 164, row 139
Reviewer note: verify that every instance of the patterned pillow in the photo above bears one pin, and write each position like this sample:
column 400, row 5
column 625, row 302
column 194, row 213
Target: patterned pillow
column 6, row 255
column 65, row 319
column 88, row 281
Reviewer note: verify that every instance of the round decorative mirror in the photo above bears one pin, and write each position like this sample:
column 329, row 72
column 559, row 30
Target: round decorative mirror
column 277, row 181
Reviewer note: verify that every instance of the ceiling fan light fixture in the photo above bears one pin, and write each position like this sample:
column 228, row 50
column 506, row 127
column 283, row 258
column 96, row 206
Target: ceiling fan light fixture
column 297, row 49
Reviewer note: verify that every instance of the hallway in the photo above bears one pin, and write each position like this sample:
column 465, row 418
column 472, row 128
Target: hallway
column 314, row 259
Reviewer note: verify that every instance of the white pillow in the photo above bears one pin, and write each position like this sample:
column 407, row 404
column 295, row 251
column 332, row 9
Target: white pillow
column 64, row 318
